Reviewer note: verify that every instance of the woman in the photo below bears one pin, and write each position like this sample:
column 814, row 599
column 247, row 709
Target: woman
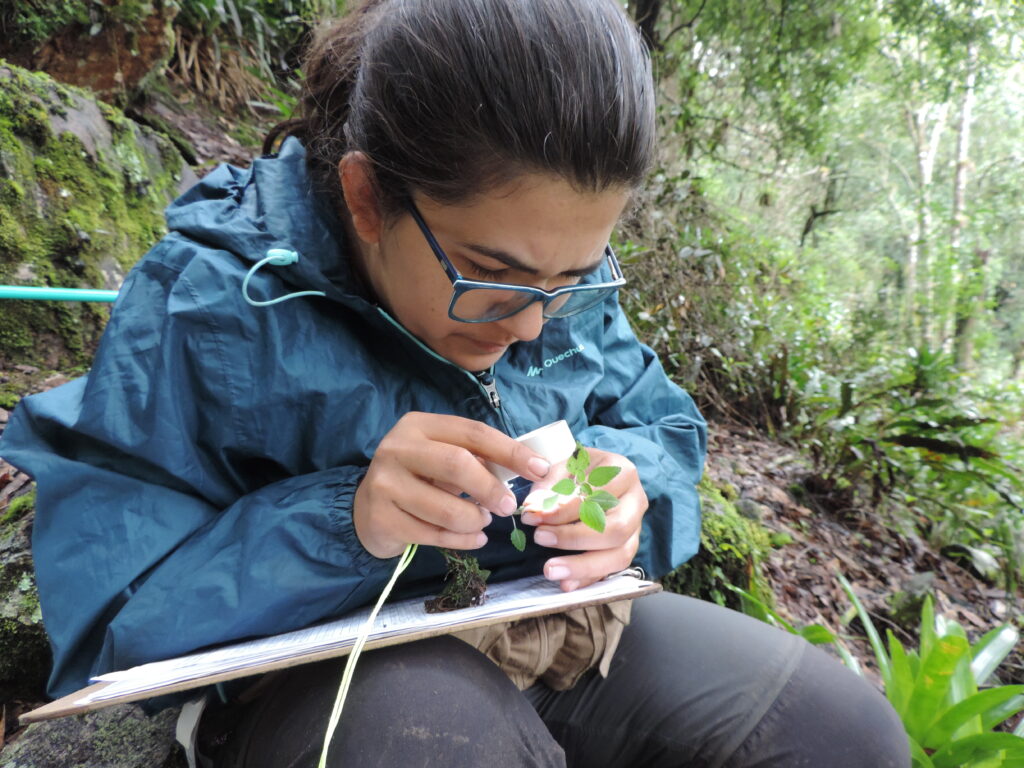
column 307, row 372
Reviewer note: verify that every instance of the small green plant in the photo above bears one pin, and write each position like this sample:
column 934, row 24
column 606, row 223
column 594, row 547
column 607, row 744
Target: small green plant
column 594, row 503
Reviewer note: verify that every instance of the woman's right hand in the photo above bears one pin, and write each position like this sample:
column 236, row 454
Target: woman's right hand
column 411, row 491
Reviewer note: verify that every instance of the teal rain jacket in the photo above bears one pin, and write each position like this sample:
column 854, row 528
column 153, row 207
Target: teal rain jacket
column 196, row 486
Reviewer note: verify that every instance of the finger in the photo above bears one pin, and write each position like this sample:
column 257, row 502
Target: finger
column 441, row 509
column 452, row 466
column 563, row 510
column 575, row 571
column 488, row 443
column 415, row 531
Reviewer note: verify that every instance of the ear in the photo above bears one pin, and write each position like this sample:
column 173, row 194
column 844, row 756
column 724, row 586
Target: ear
column 357, row 185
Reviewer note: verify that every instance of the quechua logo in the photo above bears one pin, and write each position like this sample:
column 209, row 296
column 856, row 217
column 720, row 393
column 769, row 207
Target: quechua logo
column 562, row 356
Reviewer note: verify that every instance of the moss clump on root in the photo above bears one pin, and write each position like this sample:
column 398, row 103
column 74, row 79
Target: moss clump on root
column 465, row 584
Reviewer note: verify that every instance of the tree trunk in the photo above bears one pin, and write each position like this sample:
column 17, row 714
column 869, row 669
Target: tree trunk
column 925, row 126
column 965, row 325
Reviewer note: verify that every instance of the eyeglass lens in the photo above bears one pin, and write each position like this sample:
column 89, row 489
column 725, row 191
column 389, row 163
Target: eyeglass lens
column 479, row 304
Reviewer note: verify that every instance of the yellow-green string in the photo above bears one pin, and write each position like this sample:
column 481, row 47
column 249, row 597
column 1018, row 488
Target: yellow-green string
column 357, row 648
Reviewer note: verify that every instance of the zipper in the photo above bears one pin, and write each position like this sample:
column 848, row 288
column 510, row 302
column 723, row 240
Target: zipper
column 489, row 387
column 486, row 379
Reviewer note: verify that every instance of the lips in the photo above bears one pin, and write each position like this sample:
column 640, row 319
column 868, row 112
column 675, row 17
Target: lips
column 487, row 347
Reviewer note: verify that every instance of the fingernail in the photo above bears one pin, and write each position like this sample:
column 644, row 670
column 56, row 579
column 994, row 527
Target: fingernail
column 545, row 538
column 538, row 466
column 481, row 539
column 530, row 518
column 569, row 586
column 557, row 572
column 508, row 505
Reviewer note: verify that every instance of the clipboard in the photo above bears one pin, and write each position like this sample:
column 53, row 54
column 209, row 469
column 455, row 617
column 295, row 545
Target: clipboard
column 397, row 623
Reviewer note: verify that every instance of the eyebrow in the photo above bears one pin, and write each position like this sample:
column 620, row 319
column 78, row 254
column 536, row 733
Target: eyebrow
column 511, row 261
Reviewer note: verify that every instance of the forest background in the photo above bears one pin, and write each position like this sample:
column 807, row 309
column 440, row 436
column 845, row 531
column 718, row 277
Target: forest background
column 829, row 255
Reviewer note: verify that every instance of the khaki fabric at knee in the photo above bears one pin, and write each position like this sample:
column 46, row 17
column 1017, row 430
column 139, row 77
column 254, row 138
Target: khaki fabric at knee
column 556, row 649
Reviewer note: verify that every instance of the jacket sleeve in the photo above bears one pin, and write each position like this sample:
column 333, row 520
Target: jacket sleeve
column 638, row 412
column 146, row 543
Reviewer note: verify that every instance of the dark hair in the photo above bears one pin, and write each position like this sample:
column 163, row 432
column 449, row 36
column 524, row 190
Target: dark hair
column 452, row 97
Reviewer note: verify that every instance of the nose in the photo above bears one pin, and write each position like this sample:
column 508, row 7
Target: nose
column 526, row 324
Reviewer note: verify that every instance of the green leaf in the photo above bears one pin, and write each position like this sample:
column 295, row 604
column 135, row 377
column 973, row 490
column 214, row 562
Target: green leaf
column 999, row 714
column 580, row 461
column 981, row 704
column 962, row 751
column 876, row 642
column 901, row 682
column 817, row 635
column 919, row 756
column 752, row 606
column 592, row 515
column 565, row 486
column 990, row 651
column 519, row 539
column 604, row 499
column 927, row 631
column 550, row 501
column 932, row 684
column 603, row 475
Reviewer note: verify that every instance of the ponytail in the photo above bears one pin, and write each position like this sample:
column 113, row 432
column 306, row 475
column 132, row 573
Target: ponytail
column 453, row 97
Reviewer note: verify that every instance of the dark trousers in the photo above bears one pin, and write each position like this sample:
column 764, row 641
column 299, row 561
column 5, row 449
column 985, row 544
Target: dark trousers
column 692, row 684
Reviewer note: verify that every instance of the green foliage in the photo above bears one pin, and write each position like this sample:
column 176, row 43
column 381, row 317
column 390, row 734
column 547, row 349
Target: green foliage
column 272, row 29
column 35, row 21
column 925, row 443
column 935, row 691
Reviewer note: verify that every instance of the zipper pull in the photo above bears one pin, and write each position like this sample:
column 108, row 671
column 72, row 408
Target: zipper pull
column 487, row 382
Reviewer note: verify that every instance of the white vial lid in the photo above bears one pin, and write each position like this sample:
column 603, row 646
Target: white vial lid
column 554, row 442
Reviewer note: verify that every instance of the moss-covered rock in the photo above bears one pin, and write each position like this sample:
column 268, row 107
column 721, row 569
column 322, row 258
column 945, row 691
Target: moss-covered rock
column 732, row 548
column 82, row 191
column 117, row 737
column 24, row 650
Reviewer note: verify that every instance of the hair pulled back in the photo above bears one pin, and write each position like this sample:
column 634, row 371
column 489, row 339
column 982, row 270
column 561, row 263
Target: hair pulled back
column 453, row 97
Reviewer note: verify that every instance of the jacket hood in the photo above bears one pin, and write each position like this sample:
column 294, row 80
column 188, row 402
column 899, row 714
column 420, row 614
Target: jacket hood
column 272, row 204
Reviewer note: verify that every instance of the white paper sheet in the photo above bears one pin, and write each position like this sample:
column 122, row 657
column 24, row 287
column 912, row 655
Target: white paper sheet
column 504, row 601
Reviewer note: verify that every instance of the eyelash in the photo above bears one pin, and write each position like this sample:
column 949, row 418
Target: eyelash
column 489, row 274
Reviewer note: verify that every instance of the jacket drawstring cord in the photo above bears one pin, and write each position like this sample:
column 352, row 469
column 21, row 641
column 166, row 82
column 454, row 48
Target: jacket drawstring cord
column 278, row 257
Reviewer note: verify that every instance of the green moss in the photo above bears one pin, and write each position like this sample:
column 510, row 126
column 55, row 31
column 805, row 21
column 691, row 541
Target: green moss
column 65, row 212
column 19, row 507
column 732, row 550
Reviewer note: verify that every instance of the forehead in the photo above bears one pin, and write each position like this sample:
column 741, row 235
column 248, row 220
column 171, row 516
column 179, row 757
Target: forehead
column 544, row 222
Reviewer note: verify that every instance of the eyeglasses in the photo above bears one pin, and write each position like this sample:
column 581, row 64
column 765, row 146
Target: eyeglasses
column 475, row 301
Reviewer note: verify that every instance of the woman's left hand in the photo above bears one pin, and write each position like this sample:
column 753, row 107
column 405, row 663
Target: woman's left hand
column 560, row 528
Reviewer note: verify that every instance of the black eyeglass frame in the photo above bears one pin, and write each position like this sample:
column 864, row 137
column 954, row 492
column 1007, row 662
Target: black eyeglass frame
column 461, row 285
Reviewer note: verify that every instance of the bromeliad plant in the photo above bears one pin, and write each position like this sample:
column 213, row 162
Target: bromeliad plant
column 938, row 690
column 935, row 691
